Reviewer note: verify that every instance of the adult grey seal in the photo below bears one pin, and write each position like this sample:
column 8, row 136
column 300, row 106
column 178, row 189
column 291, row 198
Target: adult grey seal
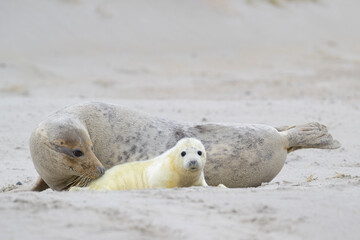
column 74, row 145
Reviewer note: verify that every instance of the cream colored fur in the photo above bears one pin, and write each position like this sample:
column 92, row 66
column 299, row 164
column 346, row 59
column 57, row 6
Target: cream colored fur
column 169, row 170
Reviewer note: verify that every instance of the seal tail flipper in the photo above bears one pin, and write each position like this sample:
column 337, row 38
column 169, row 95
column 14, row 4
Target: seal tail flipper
column 310, row 135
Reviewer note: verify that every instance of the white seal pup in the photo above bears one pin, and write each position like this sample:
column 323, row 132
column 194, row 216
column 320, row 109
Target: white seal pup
column 180, row 166
column 74, row 145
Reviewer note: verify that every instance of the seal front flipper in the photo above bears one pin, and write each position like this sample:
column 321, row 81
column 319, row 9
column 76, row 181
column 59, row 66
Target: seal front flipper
column 40, row 185
column 310, row 135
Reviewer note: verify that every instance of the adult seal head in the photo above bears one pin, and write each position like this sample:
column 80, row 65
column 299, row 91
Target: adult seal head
column 63, row 154
column 72, row 145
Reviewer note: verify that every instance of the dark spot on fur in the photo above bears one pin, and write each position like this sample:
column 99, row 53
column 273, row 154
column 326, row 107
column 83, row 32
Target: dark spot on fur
column 119, row 158
column 126, row 155
column 179, row 134
column 109, row 113
column 201, row 128
column 252, row 164
column 133, row 149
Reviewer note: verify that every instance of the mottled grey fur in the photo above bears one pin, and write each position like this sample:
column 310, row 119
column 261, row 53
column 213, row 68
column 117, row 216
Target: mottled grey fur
column 238, row 155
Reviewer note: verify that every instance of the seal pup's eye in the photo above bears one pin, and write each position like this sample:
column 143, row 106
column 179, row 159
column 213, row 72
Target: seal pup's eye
column 78, row 153
column 199, row 153
column 183, row 153
column 92, row 148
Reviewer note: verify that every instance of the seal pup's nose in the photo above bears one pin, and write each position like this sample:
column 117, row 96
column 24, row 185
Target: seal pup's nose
column 101, row 170
column 193, row 165
column 193, row 162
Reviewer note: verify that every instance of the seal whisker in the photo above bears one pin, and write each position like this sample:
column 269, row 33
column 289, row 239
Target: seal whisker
column 72, row 183
column 84, row 180
column 78, row 181
column 88, row 180
column 81, row 180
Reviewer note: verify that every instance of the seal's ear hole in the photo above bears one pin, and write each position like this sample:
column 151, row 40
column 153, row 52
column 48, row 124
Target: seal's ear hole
column 183, row 153
column 199, row 153
column 78, row 153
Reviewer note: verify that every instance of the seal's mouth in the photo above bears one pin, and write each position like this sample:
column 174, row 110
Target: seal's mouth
column 193, row 169
column 89, row 174
column 193, row 166
column 83, row 179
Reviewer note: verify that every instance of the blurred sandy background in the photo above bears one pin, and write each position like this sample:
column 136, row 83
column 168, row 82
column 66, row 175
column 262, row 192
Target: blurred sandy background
column 276, row 62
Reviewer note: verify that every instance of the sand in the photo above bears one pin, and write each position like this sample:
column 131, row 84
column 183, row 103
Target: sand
column 270, row 62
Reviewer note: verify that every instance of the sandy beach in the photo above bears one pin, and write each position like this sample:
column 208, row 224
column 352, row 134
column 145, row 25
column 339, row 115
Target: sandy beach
column 268, row 62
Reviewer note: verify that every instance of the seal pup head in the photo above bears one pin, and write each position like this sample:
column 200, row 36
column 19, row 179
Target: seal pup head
column 189, row 155
column 63, row 154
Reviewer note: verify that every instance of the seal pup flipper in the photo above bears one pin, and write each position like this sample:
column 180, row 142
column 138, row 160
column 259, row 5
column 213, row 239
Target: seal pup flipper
column 222, row 186
column 310, row 135
column 204, row 183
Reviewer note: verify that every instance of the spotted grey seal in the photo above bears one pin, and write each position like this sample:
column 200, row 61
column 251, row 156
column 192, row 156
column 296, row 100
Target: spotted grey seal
column 74, row 145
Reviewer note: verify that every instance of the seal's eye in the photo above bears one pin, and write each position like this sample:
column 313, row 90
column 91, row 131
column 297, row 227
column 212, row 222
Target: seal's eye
column 78, row 153
column 199, row 153
column 183, row 153
column 92, row 148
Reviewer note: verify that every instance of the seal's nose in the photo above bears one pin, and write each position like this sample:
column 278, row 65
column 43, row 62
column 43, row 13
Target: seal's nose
column 101, row 170
column 193, row 162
